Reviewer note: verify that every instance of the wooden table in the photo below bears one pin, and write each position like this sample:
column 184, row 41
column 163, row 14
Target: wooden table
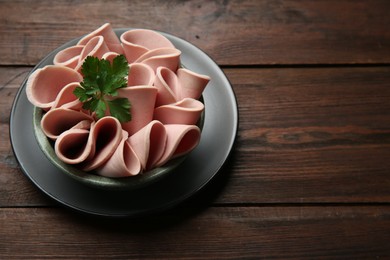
column 309, row 176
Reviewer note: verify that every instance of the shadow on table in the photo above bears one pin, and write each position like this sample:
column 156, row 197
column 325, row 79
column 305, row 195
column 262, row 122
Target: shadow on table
column 161, row 221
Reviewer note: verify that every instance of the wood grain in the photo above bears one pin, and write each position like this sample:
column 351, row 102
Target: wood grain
column 215, row 233
column 15, row 189
column 232, row 32
column 325, row 131
column 309, row 174
column 319, row 135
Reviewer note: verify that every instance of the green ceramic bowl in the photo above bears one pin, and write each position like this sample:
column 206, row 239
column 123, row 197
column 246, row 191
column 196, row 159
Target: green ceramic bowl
column 94, row 180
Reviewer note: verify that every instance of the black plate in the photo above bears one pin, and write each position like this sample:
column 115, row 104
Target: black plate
column 218, row 135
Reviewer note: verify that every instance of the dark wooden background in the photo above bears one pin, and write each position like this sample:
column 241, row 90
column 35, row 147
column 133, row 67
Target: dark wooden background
column 310, row 173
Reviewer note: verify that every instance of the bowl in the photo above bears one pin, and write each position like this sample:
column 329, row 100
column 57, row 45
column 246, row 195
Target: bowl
column 97, row 181
column 90, row 178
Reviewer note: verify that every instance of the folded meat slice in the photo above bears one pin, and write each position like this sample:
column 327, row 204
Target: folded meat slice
column 149, row 144
column 164, row 57
column 123, row 163
column 142, row 99
column 167, row 84
column 72, row 146
column 66, row 98
column 173, row 87
column 181, row 139
column 110, row 38
column 95, row 47
column 110, row 56
column 187, row 111
column 68, row 57
column 104, row 138
column 44, row 84
column 91, row 146
column 59, row 120
column 139, row 41
column 191, row 83
column 140, row 75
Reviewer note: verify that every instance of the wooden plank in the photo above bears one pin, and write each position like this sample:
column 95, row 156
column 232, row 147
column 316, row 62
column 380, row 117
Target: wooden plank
column 231, row 32
column 213, row 233
column 15, row 189
column 306, row 135
column 311, row 135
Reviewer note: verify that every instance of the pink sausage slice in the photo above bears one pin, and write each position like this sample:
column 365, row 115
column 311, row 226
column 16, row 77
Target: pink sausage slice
column 140, row 75
column 66, row 98
column 191, row 84
column 104, row 139
column 139, row 41
column 165, row 57
column 186, row 112
column 149, row 144
column 142, row 99
column 167, row 84
column 44, row 84
column 68, row 57
column 109, row 35
column 110, row 56
column 181, row 139
column 59, row 120
column 72, row 146
column 173, row 87
column 95, row 47
column 123, row 163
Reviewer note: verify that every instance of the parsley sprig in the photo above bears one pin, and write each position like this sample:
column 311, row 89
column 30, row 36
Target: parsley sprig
column 101, row 81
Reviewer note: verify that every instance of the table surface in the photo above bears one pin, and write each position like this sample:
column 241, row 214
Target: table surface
column 309, row 176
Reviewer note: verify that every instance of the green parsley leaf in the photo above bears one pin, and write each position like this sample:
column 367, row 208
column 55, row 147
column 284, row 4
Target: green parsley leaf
column 101, row 81
column 81, row 94
column 118, row 107
column 101, row 108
